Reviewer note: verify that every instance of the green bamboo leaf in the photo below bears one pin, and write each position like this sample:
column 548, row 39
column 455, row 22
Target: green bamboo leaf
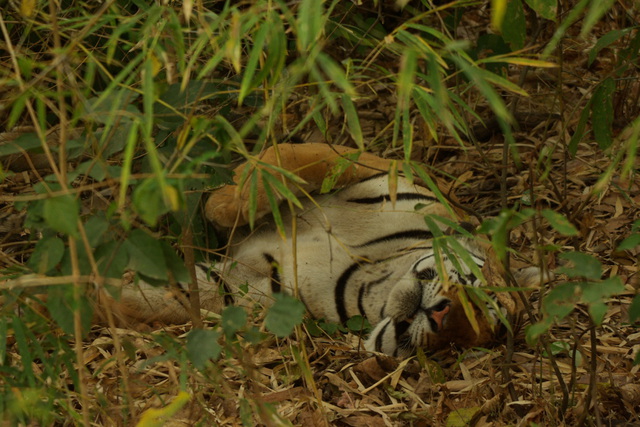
column 559, row 222
column 433, row 187
column 353, row 121
column 248, row 82
column 336, row 73
column 281, row 188
column 309, row 24
column 597, row 10
column 274, row 204
column 605, row 41
column 20, row 332
column 602, row 113
column 253, row 197
column 498, row 11
column 580, row 131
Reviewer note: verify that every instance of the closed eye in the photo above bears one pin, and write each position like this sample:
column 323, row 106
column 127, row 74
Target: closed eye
column 440, row 306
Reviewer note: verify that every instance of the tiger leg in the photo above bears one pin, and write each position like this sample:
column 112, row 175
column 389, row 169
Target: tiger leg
column 229, row 205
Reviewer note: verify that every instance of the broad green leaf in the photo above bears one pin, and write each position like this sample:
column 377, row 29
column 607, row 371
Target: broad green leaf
column 24, row 142
column 61, row 213
column 634, row 309
column 597, row 311
column 202, row 346
column 94, row 228
column 112, row 259
column 544, row 8
column 146, row 255
column 149, row 202
column 353, row 121
column 596, row 292
column 358, row 324
column 582, row 265
column 284, row 315
column 559, row 222
column 234, row 318
column 461, row 417
column 602, row 113
column 514, row 27
column 61, row 305
column 533, row 332
column 174, row 263
column 46, row 255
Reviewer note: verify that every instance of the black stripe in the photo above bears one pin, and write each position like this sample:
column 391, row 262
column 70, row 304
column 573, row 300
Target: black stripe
column 385, row 197
column 379, row 337
column 418, row 234
column 341, row 288
column 276, row 283
column 368, row 286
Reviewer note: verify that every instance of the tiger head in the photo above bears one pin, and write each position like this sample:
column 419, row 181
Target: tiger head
column 423, row 309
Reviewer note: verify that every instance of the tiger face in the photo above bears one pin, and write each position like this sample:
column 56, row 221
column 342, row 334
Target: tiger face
column 420, row 307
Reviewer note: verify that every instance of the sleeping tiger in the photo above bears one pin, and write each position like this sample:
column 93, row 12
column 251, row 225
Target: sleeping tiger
column 364, row 249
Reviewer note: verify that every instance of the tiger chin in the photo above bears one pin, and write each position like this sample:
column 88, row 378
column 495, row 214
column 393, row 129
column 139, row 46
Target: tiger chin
column 364, row 249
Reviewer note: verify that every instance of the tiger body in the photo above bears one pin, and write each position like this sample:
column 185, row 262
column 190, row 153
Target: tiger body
column 356, row 253
column 353, row 252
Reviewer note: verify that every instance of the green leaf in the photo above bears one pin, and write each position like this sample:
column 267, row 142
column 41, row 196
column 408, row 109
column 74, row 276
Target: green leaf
column 174, row 263
column 580, row 131
column 112, row 259
column 146, row 255
column 202, row 346
column 515, row 26
column 61, row 213
column 95, row 227
column 47, row 254
column 310, row 23
column 559, row 222
column 358, row 324
column 605, row 41
column 284, row 315
column 234, row 318
column 597, row 312
column 602, row 113
column 24, row 142
column 583, row 265
column 630, row 242
column 61, row 304
column 544, row 8
column 597, row 10
column 353, row 121
column 634, row 309
column 148, row 201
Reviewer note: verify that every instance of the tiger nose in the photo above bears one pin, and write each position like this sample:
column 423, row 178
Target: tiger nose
column 438, row 316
